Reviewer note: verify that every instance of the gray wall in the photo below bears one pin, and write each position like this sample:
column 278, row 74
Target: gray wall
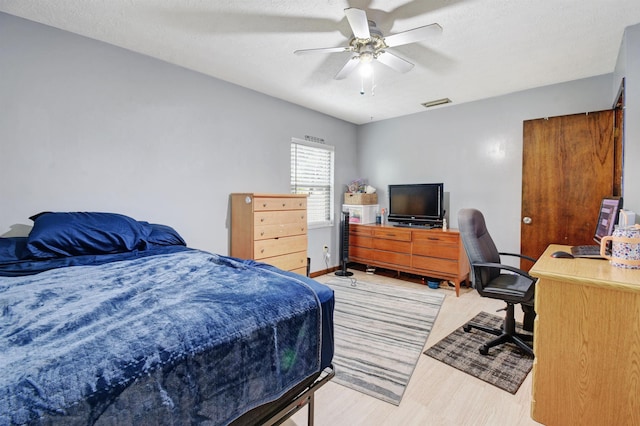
column 88, row 126
column 474, row 148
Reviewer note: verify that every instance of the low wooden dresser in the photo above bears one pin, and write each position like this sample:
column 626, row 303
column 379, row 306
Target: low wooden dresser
column 428, row 252
column 270, row 228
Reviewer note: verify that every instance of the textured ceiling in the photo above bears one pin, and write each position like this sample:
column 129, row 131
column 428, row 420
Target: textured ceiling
column 487, row 47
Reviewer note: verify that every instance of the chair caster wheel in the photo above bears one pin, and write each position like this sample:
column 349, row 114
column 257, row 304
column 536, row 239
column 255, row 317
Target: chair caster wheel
column 483, row 350
column 466, row 328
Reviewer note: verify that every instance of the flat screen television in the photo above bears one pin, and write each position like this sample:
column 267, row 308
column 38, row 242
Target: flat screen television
column 416, row 204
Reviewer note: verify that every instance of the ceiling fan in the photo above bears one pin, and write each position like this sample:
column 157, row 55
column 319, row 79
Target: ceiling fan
column 368, row 44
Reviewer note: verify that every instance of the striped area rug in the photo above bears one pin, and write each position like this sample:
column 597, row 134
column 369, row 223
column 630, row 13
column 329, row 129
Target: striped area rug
column 380, row 331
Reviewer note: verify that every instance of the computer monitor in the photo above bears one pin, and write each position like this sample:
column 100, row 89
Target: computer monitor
column 607, row 217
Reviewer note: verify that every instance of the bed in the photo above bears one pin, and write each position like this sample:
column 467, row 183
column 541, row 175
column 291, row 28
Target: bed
column 110, row 320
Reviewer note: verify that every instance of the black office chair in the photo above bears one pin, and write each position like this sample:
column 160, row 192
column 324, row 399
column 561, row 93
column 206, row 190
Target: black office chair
column 493, row 279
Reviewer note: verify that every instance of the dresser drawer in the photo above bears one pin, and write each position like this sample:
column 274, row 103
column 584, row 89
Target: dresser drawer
column 360, row 230
column 392, row 234
column 263, row 232
column 279, row 246
column 288, row 262
column 360, row 253
column 360, row 241
column 392, row 245
column 439, row 266
column 392, row 258
column 280, row 217
column 442, row 251
column 436, row 237
column 268, row 204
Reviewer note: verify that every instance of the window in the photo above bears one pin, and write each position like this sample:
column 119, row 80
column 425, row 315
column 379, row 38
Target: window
column 312, row 174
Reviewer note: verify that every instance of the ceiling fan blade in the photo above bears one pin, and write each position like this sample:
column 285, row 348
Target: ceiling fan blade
column 411, row 36
column 323, row 50
column 395, row 62
column 359, row 24
column 351, row 64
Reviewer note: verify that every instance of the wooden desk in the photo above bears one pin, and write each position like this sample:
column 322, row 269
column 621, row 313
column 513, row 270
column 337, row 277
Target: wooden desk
column 586, row 341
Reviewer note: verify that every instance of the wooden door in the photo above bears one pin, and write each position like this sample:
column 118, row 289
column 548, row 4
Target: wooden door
column 568, row 167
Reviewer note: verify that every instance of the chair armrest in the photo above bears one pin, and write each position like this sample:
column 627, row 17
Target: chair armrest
column 522, row 256
column 505, row 267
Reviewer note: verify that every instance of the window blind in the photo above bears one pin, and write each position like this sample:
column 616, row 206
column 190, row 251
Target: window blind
column 312, row 174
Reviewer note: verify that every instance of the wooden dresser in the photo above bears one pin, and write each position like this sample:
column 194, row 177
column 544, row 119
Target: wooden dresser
column 428, row 252
column 586, row 341
column 270, row 228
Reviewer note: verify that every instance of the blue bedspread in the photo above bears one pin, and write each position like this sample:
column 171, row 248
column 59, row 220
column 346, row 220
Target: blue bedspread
column 80, row 343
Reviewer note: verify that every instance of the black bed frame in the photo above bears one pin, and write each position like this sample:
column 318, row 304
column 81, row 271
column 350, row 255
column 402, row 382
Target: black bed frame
column 293, row 401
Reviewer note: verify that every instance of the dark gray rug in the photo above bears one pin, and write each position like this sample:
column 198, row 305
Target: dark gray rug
column 505, row 366
column 380, row 332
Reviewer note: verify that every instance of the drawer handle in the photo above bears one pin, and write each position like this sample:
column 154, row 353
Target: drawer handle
column 262, row 233
column 284, row 204
column 433, row 238
column 264, row 205
column 262, row 251
column 262, row 219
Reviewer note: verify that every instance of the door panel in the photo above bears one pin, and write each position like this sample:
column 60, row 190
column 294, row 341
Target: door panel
column 567, row 168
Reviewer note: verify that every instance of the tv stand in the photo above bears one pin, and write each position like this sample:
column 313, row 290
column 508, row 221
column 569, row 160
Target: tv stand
column 428, row 252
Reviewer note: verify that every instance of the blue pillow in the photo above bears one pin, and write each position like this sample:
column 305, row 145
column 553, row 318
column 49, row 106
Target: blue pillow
column 164, row 235
column 11, row 249
column 80, row 233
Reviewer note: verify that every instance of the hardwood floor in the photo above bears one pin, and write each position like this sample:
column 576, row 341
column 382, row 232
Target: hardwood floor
column 437, row 394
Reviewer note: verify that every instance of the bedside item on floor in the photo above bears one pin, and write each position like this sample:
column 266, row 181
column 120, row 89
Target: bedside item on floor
column 376, row 349
column 506, row 368
column 625, row 247
column 514, row 286
column 433, row 284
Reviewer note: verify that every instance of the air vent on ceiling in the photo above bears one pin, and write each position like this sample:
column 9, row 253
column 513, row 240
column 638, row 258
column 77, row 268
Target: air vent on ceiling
column 436, row 102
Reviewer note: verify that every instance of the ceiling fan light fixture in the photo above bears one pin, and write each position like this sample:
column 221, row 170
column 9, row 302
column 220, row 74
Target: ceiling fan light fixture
column 436, row 102
column 366, row 69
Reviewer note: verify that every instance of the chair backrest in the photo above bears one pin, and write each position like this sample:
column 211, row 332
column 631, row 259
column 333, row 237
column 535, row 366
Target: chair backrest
column 479, row 246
